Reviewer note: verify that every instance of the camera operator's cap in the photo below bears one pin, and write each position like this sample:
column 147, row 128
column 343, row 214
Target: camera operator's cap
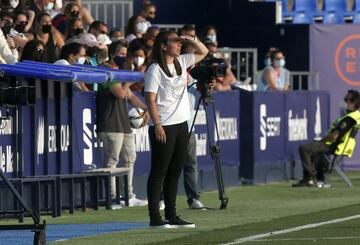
column 86, row 39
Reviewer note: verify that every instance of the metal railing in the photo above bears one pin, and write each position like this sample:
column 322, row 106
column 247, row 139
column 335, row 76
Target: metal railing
column 170, row 27
column 303, row 80
column 243, row 61
column 115, row 13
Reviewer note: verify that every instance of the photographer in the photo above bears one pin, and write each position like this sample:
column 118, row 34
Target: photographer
column 167, row 100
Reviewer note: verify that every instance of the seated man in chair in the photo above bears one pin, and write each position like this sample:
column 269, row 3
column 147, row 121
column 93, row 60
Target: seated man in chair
column 334, row 142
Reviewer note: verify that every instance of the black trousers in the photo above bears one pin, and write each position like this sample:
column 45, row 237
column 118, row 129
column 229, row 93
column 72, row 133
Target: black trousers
column 167, row 162
column 310, row 154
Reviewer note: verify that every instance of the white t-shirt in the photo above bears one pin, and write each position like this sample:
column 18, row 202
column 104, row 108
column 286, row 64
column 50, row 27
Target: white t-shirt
column 172, row 97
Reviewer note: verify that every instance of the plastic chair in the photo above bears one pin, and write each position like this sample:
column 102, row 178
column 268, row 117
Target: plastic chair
column 336, row 6
column 333, row 18
column 335, row 160
column 305, row 6
column 356, row 19
column 302, row 18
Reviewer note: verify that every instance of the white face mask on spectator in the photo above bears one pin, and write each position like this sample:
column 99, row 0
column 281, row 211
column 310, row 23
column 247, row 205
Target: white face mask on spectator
column 49, row 7
column 139, row 61
column 81, row 61
column 14, row 3
column 142, row 26
column 280, row 63
column 212, row 37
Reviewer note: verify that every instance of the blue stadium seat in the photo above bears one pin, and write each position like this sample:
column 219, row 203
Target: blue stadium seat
column 333, row 18
column 336, row 6
column 356, row 19
column 285, row 11
column 305, row 6
column 302, row 18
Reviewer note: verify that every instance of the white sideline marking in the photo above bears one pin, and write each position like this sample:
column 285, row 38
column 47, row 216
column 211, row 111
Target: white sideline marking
column 298, row 228
column 308, row 239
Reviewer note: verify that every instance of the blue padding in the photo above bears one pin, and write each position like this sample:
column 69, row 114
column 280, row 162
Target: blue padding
column 24, row 70
column 114, row 74
column 121, row 75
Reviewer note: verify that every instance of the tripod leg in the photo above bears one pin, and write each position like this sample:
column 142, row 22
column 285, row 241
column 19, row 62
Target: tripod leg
column 215, row 155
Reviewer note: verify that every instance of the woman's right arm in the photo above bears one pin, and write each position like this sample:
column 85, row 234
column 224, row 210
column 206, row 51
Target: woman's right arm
column 150, row 99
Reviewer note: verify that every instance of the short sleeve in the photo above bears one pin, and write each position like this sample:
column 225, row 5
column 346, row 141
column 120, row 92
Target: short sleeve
column 152, row 80
column 187, row 60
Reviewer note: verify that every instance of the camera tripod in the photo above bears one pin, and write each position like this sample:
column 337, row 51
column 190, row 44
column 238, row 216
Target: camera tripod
column 214, row 147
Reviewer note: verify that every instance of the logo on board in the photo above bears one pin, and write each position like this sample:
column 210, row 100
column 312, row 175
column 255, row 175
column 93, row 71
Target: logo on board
column 269, row 127
column 347, row 60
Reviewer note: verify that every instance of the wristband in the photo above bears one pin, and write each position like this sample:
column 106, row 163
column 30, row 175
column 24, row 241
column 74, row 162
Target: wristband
column 195, row 39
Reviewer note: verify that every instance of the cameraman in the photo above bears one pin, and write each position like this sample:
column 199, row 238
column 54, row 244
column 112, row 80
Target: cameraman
column 167, row 100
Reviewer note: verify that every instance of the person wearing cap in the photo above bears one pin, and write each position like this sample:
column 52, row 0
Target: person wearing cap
column 100, row 30
column 167, row 100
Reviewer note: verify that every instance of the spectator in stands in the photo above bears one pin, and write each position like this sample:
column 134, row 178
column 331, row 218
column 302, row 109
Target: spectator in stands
column 87, row 19
column 49, row 36
column 136, row 61
column 19, row 33
column 117, row 55
column 8, row 51
column 148, row 39
column 113, row 125
column 116, row 34
column 33, row 50
column 210, row 33
column 21, row 6
column 275, row 77
column 60, row 21
column 100, row 30
column 167, row 100
column 74, row 28
column 334, row 141
column 70, row 54
column 40, row 6
column 187, row 30
column 148, row 12
column 136, row 27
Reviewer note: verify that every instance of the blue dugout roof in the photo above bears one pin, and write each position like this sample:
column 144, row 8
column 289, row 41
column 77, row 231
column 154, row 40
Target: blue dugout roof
column 83, row 73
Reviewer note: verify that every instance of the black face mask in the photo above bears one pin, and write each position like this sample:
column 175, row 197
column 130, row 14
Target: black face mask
column 78, row 31
column 74, row 14
column 6, row 28
column 46, row 28
column 20, row 28
column 91, row 51
column 38, row 56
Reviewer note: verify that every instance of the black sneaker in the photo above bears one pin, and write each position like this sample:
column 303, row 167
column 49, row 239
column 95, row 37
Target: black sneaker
column 176, row 222
column 158, row 223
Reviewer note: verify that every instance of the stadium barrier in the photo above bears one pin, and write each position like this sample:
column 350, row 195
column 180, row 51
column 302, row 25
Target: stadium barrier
column 259, row 133
column 301, row 80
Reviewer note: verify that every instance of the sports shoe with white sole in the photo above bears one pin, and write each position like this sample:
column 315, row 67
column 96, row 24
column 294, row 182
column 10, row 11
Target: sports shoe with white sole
column 134, row 202
column 196, row 204
column 176, row 222
column 158, row 223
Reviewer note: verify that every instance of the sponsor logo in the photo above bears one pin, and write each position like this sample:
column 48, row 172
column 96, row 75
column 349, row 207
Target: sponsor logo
column 347, row 60
column 269, row 127
column 6, row 159
column 201, row 116
column 6, row 126
column 87, row 137
column 297, row 127
column 40, row 136
column 201, row 144
column 142, row 143
column 228, row 129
